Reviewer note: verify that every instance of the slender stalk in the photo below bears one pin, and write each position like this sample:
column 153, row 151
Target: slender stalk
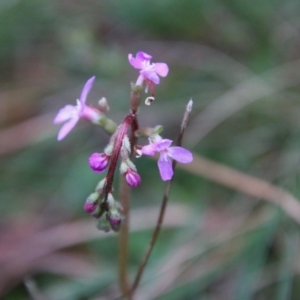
column 162, row 208
column 124, row 231
column 124, row 239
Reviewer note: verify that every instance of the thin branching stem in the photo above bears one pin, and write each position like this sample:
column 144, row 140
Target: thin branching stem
column 163, row 206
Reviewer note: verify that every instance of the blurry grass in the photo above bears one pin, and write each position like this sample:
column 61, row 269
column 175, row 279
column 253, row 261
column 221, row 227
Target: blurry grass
column 213, row 49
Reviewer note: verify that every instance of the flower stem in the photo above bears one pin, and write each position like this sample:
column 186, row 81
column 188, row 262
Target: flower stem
column 124, row 239
column 162, row 208
column 124, row 231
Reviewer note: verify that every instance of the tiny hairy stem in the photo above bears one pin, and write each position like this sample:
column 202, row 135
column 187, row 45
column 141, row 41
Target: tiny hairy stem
column 163, row 206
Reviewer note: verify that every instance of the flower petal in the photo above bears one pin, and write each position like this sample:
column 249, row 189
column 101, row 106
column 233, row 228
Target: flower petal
column 161, row 69
column 180, row 154
column 149, row 149
column 150, row 75
column 165, row 167
column 143, row 56
column 136, row 63
column 163, row 144
column 66, row 128
column 65, row 114
column 87, row 87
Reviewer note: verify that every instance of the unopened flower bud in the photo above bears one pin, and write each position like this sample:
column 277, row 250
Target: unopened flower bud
column 98, row 162
column 157, row 129
column 103, row 104
column 101, row 185
column 137, row 151
column 127, row 164
column 115, row 219
column 108, row 150
column 189, row 106
column 126, row 143
column 104, row 224
column 133, row 178
column 111, row 201
column 91, row 203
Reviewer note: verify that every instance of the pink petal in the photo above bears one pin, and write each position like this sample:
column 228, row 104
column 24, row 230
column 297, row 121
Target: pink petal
column 163, row 144
column 66, row 128
column 149, row 149
column 65, row 114
column 180, row 154
column 151, row 75
column 161, row 69
column 136, row 63
column 87, row 87
column 143, row 56
column 165, row 167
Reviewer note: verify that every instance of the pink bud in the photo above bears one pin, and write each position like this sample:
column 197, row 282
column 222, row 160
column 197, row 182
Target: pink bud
column 98, row 162
column 90, row 207
column 91, row 203
column 115, row 219
column 133, row 178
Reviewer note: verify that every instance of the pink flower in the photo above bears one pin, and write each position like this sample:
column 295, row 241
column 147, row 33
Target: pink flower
column 149, row 72
column 70, row 114
column 98, row 162
column 133, row 178
column 167, row 153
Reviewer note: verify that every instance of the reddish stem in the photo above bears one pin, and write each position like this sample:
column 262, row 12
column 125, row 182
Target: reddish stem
column 120, row 133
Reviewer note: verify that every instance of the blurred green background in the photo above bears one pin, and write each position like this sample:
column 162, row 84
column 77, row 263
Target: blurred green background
column 240, row 62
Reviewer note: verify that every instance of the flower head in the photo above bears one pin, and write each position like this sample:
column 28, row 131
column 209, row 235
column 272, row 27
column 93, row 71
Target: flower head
column 149, row 72
column 167, row 153
column 70, row 114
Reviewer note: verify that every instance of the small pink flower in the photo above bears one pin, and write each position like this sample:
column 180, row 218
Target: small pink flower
column 167, row 153
column 98, row 162
column 133, row 178
column 149, row 72
column 70, row 114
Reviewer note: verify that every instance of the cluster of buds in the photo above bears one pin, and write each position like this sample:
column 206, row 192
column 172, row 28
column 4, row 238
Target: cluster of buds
column 101, row 203
column 106, row 211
